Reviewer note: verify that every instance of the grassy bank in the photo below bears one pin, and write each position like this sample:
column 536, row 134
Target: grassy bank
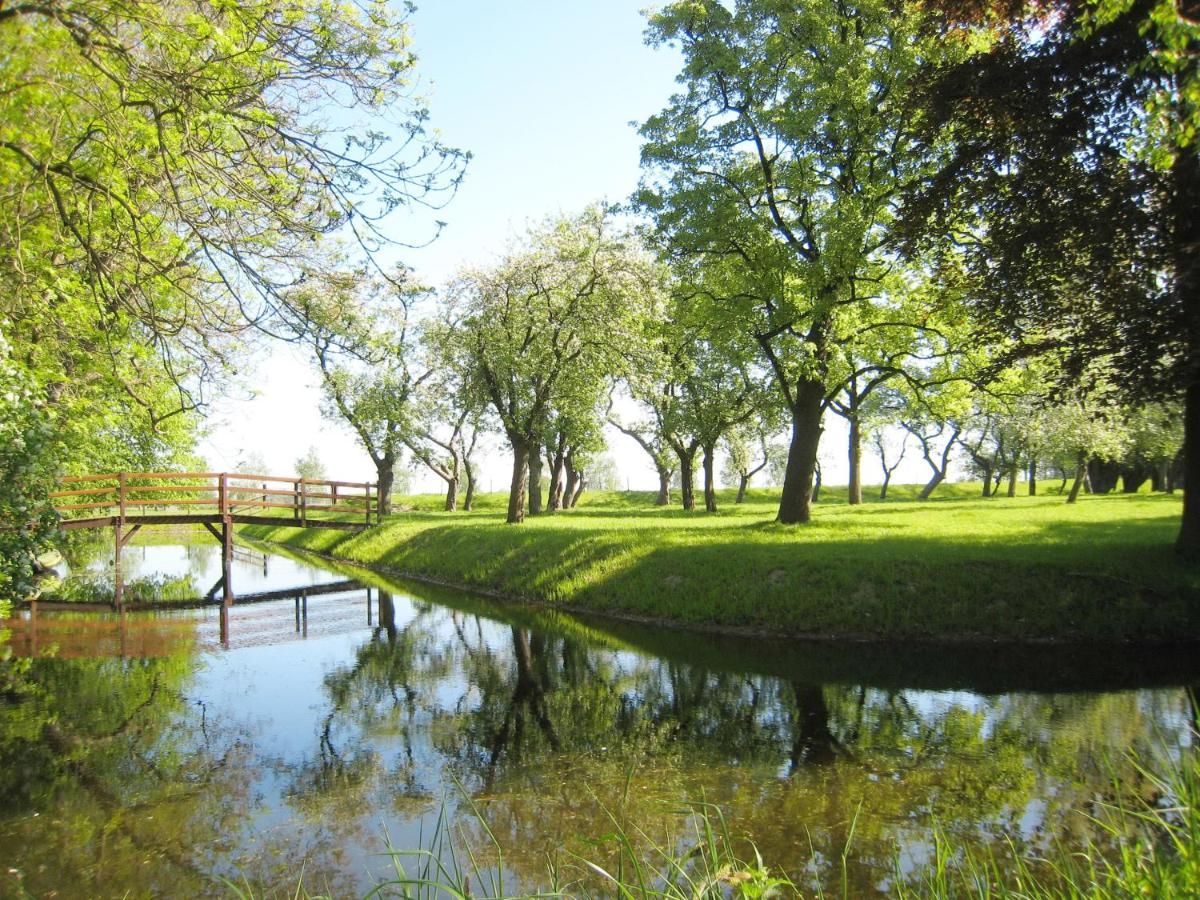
column 957, row 567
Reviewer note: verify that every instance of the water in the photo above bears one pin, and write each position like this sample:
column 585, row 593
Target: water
column 153, row 752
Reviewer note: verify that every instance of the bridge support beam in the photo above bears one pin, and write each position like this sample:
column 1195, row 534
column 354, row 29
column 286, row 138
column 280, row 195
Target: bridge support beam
column 118, row 577
column 227, row 558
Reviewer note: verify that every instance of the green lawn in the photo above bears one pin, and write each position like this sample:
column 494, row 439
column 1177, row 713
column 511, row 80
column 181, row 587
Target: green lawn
column 955, row 567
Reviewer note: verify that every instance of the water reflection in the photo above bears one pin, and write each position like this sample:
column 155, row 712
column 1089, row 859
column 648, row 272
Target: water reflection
column 339, row 717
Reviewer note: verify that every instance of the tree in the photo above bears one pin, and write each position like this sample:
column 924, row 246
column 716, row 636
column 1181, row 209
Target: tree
column 603, row 474
column 28, row 472
column 1075, row 184
column 651, row 440
column 165, row 170
column 1083, row 431
column 574, row 435
column 882, row 449
column 310, row 466
column 775, row 173
column 358, row 330
column 545, row 326
column 741, row 462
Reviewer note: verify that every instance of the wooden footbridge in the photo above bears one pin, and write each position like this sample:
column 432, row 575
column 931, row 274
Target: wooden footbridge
column 127, row 501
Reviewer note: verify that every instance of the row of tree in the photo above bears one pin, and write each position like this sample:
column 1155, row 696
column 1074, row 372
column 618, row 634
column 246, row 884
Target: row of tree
column 839, row 200
column 539, row 346
column 845, row 210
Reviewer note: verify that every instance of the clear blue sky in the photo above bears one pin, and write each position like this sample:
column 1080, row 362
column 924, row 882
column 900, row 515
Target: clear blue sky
column 543, row 94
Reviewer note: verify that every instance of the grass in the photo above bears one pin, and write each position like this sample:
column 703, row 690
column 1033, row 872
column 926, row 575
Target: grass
column 958, row 567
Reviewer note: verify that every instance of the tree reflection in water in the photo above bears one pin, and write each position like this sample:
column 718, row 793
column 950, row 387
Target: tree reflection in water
column 550, row 734
column 129, row 775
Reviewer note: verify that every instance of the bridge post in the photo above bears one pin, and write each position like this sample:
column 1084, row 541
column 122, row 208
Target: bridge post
column 226, row 539
column 295, row 499
column 118, row 577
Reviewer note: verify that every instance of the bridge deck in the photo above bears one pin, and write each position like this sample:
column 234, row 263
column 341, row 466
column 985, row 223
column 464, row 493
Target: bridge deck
column 213, row 498
column 208, row 519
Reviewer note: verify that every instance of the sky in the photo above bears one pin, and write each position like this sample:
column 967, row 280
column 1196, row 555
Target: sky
column 545, row 95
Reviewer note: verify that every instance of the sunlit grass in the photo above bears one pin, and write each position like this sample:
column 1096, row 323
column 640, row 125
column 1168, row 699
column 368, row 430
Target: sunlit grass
column 960, row 566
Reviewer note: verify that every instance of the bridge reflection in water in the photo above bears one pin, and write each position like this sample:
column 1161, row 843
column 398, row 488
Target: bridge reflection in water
column 91, row 630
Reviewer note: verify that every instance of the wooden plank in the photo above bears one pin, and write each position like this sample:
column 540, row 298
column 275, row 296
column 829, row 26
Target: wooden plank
column 270, row 504
column 78, row 479
column 170, row 501
column 160, row 475
column 259, row 492
column 165, row 488
column 83, row 492
column 94, row 522
column 129, row 534
column 243, row 476
column 339, row 524
column 69, row 506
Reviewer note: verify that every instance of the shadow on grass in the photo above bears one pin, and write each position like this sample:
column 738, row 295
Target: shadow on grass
column 981, row 667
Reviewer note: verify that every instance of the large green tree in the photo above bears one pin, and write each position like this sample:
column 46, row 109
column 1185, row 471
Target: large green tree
column 1074, row 187
column 775, row 173
column 165, row 171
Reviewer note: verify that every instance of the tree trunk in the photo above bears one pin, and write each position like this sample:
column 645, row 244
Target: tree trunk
column 743, row 483
column 535, row 481
column 710, row 484
column 931, row 485
column 1080, row 474
column 580, row 484
column 1187, row 545
column 664, row 487
column 1033, row 478
column 687, row 475
column 1103, row 476
column 1012, row 480
column 516, row 491
column 987, row 480
column 451, row 494
column 385, row 477
column 795, row 503
column 572, row 482
column 855, row 453
column 1185, row 202
column 556, row 478
column 816, row 492
column 469, row 499
column 887, row 478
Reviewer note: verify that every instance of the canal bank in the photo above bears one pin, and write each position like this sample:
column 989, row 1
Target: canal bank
column 962, row 570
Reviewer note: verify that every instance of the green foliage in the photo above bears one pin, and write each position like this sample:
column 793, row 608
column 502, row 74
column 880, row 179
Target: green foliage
column 165, row 172
column 538, row 335
column 29, row 446
column 771, row 178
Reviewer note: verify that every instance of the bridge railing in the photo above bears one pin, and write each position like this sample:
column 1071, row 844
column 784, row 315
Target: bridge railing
column 126, row 494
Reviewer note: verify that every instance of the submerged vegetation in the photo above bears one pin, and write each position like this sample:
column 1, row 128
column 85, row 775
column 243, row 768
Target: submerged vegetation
column 1151, row 853
column 963, row 567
